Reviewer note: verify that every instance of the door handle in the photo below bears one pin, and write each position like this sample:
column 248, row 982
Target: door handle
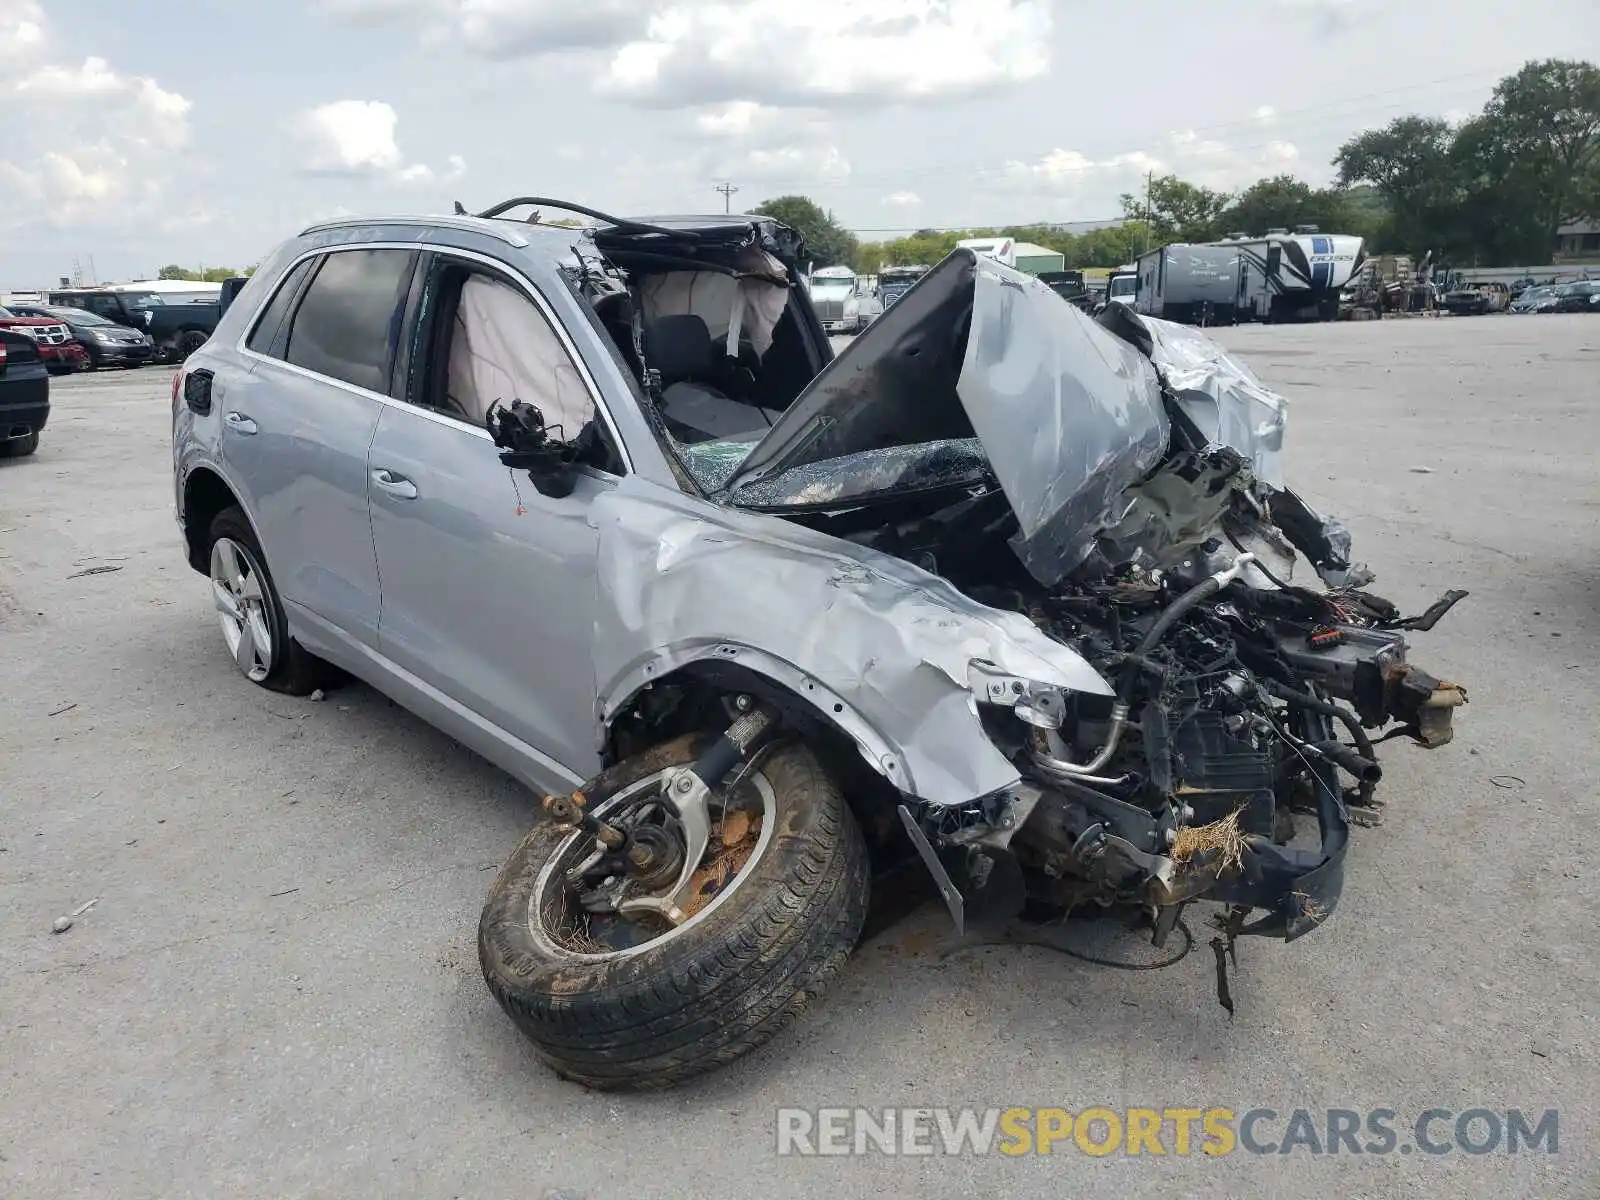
column 396, row 485
column 240, row 423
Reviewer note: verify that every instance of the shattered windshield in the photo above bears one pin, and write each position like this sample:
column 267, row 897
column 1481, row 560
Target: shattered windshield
column 712, row 464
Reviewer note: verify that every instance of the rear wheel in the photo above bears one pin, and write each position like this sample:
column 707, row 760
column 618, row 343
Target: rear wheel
column 250, row 611
column 646, row 993
column 188, row 342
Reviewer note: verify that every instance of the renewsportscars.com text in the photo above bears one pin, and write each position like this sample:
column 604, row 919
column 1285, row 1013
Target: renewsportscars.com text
column 1179, row 1131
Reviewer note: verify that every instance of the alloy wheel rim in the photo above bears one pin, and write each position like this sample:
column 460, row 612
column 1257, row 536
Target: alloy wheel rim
column 550, row 907
column 243, row 609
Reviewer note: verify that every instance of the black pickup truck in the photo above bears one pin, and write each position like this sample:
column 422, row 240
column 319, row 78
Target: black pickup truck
column 178, row 322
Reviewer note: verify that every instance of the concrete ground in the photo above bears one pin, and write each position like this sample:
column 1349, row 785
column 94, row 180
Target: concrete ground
column 274, row 990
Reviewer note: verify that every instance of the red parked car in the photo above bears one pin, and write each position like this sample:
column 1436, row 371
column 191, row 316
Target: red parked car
column 59, row 350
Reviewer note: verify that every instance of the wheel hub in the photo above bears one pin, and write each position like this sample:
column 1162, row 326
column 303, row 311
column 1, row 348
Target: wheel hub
column 593, row 902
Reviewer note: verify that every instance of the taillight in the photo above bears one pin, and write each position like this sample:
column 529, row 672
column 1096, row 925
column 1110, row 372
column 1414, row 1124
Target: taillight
column 2, row 356
column 177, row 388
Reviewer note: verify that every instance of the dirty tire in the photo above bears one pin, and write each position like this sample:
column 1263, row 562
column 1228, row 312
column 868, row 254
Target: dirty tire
column 717, row 990
column 188, row 342
column 21, row 447
column 295, row 671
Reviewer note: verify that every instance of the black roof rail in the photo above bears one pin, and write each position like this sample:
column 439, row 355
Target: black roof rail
column 621, row 224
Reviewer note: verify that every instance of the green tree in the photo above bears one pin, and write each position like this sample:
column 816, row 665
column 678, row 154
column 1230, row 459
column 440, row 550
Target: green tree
column 1178, row 211
column 1410, row 163
column 1540, row 135
column 827, row 242
column 207, row 275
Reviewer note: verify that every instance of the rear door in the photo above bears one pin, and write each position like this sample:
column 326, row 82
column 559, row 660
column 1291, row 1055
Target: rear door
column 296, row 428
column 489, row 586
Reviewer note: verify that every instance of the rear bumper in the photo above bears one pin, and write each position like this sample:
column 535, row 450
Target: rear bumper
column 24, row 406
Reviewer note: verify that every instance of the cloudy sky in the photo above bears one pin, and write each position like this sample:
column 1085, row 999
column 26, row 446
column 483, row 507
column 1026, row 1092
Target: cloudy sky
column 200, row 131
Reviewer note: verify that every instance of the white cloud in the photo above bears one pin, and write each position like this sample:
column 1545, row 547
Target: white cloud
column 901, row 200
column 356, row 138
column 1069, row 173
column 88, row 146
column 351, row 137
column 678, row 53
column 22, row 34
column 738, row 118
column 830, row 52
column 797, row 166
column 422, row 174
column 1266, row 115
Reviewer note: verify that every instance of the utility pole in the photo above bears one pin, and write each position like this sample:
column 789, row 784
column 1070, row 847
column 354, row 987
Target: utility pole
column 727, row 190
column 1149, row 207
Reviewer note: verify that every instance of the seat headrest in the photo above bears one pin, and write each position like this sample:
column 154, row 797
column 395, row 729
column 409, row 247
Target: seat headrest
column 679, row 346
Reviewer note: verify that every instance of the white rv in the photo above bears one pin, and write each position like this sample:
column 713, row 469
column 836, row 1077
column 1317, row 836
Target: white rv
column 1001, row 249
column 1293, row 276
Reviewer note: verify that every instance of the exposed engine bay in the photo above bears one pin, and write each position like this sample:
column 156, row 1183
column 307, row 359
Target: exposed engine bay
column 1234, row 750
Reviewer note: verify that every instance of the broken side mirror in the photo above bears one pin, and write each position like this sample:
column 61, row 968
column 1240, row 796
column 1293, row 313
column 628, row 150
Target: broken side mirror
column 526, row 445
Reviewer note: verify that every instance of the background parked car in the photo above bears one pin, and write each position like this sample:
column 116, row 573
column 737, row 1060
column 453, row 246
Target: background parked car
column 1575, row 297
column 24, row 393
column 107, row 343
column 1541, row 299
column 58, row 350
column 1475, row 299
column 178, row 322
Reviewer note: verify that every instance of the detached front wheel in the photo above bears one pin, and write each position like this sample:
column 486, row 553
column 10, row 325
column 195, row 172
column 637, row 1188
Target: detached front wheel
column 624, row 982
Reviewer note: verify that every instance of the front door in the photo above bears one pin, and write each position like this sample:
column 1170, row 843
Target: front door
column 488, row 586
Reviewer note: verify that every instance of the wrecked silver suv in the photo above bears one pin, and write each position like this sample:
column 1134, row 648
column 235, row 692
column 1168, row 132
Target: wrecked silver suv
column 1013, row 596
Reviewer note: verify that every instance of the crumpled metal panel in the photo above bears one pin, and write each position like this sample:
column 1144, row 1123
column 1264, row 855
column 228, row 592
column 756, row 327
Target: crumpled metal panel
column 681, row 580
column 1222, row 396
column 1069, row 413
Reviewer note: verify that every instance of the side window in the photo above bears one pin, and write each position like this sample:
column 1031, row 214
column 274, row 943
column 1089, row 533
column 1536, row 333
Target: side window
column 264, row 338
column 106, row 306
column 344, row 327
column 497, row 348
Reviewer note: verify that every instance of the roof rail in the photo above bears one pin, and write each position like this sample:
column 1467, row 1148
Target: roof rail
column 619, row 223
column 509, row 236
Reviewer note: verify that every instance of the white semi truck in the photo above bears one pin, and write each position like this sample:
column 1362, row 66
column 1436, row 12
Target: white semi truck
column 845, row 302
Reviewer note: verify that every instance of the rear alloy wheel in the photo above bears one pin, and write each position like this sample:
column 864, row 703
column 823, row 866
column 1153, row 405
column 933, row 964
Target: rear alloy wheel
column 250, row 613
column 243, row 609
column 641, row 981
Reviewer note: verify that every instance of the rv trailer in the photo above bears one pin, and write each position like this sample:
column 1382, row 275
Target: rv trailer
column 1295, row 276
column 1192, row 285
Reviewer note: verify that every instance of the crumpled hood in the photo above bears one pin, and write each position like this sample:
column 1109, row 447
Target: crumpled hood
column 1069, row 414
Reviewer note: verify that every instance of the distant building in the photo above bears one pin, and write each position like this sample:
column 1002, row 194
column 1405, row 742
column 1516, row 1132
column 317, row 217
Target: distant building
column 1578, row 242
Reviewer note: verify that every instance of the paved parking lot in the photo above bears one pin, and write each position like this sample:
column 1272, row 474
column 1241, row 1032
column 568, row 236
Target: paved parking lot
column 274, row 989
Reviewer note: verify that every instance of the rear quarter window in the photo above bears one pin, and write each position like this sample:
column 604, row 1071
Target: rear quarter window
column 264, row 337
